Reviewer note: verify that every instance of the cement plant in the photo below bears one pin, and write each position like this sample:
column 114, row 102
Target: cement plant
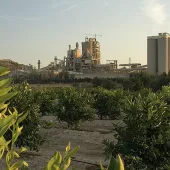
column 86, row 63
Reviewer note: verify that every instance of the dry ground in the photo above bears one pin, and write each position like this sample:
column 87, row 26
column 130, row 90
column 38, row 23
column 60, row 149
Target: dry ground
column 50, row 85
column 89, row 138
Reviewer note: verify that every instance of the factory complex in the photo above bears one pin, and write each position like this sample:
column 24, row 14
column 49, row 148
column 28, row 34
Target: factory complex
column 86, row 63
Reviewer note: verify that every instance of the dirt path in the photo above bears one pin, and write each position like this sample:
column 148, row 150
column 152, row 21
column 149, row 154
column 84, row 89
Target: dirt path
column 89, row 139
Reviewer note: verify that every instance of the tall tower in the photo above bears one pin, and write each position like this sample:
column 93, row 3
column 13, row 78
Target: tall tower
column 39, row 64
column 158, row 53
column 93, row 47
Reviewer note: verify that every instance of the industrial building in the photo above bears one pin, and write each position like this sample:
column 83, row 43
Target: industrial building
column 158, row 53
column 88, row 59
column 87, row 63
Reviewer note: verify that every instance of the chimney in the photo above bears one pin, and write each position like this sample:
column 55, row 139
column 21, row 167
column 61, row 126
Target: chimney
column 69, row 47
column 39, row 64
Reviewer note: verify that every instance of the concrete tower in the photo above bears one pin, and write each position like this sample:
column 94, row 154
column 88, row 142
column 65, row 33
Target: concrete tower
column 158, row 53
column 93, row 47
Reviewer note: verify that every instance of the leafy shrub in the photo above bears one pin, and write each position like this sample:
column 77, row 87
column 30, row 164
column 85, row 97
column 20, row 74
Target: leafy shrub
column 143, row 140
column 12, row 122
column 45, row 98
column 74, row 106
column 24, row 102
column 108, row 103
column 106, row 83
column 9, row 121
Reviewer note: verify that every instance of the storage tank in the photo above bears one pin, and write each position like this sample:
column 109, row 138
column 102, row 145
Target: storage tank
column 93, row 47
column 96, row 51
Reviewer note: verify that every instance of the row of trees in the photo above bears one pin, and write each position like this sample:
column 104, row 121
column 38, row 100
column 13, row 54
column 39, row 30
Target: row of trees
column 134, row 83
column 143, row 134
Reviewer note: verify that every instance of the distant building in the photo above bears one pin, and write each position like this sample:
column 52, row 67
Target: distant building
column 73, row 60
column 92, row 47
column 158, row 53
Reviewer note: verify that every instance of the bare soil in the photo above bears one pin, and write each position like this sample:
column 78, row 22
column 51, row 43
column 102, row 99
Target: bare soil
column 89, row 138
column 50, row 85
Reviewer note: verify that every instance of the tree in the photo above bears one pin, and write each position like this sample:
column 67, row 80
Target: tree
column 107, row 102
column 24, row 101
column 144, row 136
column 74, row 107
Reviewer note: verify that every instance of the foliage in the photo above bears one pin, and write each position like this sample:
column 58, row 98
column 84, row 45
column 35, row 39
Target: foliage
column 58, row 162
column 108, row 103
column 24, row 101
column 144, row 138
column 9, row 121
column 12, row 122
column 115, row 164
column 46, row 99
column 106, row 83
column 74, row 106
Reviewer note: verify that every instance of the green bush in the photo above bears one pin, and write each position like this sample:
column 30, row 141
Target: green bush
column 24, row 102
column 106, row 83
column 143, row 139
column 74, row 106
column 107, row 102
column 11, row 121
column 45, row 98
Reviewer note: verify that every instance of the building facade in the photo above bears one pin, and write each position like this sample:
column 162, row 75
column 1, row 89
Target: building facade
column 158, row 53
column 93, row 47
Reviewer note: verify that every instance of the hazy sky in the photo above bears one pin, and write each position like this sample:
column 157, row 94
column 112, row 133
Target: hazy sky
column 41, row 29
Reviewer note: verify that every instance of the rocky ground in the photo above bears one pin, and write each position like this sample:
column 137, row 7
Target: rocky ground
column 89, row 138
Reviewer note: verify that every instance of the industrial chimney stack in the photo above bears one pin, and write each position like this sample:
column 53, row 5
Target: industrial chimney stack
column 39, row 63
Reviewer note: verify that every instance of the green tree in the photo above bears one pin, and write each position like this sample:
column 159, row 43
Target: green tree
column 74, row 106
column 108, row 102
column 24, row 101
column 144, row 136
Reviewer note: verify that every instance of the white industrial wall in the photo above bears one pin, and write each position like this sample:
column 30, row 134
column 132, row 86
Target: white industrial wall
column 152, row 55
column 168, row 54
column 162, row 55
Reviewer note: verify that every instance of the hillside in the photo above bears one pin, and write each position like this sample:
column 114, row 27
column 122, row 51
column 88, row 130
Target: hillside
column 12, row 65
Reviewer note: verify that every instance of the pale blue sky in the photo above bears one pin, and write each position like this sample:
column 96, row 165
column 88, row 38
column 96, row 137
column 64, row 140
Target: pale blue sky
column 41, row 29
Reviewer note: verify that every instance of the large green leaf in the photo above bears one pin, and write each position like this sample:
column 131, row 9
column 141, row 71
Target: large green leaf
column 113, row 165
column 15, row 134
column 18, row 164
column 5, row 123
column 7, row 96
column 54, row 162
column 4, row 91
column 3, row 71
column 5, row 82
column 3, row 106
column 72, row 152
column 21, row 118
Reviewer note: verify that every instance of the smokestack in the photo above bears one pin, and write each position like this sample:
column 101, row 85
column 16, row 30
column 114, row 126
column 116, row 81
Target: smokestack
column 69, row 47
column 39, row 63
column 55, row 60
